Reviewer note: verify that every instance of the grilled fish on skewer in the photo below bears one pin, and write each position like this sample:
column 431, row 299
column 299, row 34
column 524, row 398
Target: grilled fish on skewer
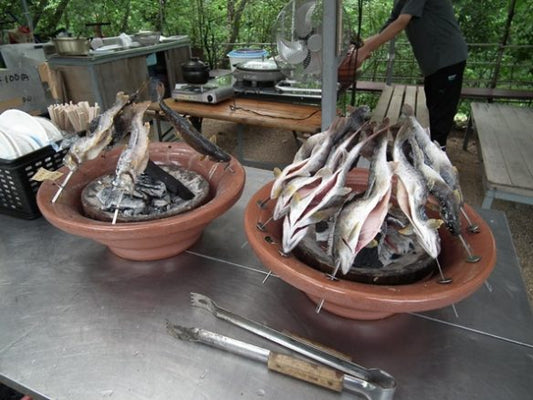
column 449, row 207
column 304, row 185
column 411, row 195
column 323, row 201
column 361, row 219
column 310, row 164
column 134, row 158
column 189, row 133
column 89, row 147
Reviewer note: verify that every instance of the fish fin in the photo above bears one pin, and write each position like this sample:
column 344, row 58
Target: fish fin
column 213, row 139
column 296, row 197
column 407, row 231
column 434, row 223
column 277, row 172
column 323, row 172
column 373, row 243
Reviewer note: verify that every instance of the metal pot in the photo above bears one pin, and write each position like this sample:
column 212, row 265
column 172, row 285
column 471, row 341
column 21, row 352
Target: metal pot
column 195, row 71
column 258, row 71
column 69, row 46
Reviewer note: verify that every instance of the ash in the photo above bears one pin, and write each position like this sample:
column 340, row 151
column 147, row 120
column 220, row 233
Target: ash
column 150, row 199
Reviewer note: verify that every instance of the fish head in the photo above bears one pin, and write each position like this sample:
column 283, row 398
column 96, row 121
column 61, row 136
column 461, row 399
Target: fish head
column 344, row 255
column 428, row 237
column 292, row 235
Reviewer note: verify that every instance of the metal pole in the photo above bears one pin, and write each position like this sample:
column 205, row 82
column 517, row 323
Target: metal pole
column 329, row 61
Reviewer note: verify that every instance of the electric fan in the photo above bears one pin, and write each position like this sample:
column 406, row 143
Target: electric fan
column 298, row 36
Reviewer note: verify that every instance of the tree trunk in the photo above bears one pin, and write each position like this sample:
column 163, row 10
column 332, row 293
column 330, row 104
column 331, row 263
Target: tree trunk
column 233, row 21
column 53, row 21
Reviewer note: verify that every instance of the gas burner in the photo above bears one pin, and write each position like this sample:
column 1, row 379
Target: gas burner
column 208, row 93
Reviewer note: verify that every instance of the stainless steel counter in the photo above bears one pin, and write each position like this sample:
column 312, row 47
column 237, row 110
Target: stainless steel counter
column 77, row 322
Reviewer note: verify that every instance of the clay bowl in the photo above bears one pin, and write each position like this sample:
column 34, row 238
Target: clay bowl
column 367, row 301
column 149, row 240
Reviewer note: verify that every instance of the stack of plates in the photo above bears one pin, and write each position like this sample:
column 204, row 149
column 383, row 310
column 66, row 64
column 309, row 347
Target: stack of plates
column 21, row 133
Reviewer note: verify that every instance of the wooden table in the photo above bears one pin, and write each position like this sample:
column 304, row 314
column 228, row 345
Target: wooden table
column 394, row 97
column 246, row 111
column 505, row 147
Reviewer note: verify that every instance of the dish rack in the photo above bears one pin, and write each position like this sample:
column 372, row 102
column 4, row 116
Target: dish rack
column 17, row 189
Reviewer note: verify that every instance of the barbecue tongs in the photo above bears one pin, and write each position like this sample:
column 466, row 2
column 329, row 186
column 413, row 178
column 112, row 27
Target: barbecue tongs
column 373, row 383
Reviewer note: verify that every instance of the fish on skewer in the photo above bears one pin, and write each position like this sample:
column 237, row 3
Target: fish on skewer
column 324, row 200
column 188, row 132
column 411, row 195
column 311, row 164
column 134, row 158
column 448, row 204
column 303, row 185
column 90, row 146
column 361, row 219
column 352, row 124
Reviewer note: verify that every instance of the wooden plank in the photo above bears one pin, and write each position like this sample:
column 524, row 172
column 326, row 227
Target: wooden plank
column 395, row 106
column 518, row 144
column 489, row 127
column 422, row 113
column 410, row 98
column 380, row 111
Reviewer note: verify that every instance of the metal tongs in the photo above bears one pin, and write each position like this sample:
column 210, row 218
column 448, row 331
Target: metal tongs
column 373, row 383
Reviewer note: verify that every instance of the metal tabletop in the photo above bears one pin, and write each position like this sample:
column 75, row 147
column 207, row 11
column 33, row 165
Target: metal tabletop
column 77, row 322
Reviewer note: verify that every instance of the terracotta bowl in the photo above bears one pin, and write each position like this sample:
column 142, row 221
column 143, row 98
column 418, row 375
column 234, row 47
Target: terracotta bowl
column 367, row 301
column 149, row 240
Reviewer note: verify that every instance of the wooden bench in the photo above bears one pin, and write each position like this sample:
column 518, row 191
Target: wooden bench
column 394, row 97
column 505, row 145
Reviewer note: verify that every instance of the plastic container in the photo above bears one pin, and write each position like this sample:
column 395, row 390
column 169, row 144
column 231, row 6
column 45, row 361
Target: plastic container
column 241, row 55
column 17, row 190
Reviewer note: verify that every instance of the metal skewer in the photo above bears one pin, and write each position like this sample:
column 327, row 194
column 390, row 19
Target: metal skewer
column 471, row 257
column 62, row 186
column 474, row 228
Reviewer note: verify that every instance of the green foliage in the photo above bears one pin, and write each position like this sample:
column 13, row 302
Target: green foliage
column 209, row 24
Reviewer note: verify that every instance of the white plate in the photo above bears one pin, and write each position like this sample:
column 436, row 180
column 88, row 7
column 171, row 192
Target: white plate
column 7, row 150
column 51, row 130
column 18, row 123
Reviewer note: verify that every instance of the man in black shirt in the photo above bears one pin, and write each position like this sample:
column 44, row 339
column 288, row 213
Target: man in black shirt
column 440, row 50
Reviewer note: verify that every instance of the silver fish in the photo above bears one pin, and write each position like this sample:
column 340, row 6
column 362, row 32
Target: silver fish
column 134, row 158
column 309, row 165
column 361, row 219
column 436, row 158
column 323, row 201
column 412, row 194
column 89, row 147
column 449, row 206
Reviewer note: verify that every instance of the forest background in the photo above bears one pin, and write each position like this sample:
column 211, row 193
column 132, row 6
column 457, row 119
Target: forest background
column 499, row 32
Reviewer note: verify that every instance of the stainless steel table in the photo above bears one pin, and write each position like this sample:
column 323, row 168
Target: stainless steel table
column 77, row 322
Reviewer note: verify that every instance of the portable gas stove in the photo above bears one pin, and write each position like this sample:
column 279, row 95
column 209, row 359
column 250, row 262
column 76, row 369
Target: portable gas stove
column 208, row 93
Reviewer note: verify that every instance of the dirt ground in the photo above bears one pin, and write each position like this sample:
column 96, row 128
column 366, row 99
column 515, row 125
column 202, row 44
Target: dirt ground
column 279, row 147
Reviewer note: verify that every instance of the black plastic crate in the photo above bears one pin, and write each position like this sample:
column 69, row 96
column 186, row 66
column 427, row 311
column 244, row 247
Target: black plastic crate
column 17, row 190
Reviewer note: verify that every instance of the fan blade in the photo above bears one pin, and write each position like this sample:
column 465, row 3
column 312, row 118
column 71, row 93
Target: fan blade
column 292, row 52
column 314, row 43
column 313, row 63
column 303, row 24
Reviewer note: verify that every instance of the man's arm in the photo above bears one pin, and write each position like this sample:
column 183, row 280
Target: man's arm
column 376, row 41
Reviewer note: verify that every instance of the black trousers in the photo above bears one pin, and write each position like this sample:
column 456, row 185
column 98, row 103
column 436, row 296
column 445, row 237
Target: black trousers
column 443, row 89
